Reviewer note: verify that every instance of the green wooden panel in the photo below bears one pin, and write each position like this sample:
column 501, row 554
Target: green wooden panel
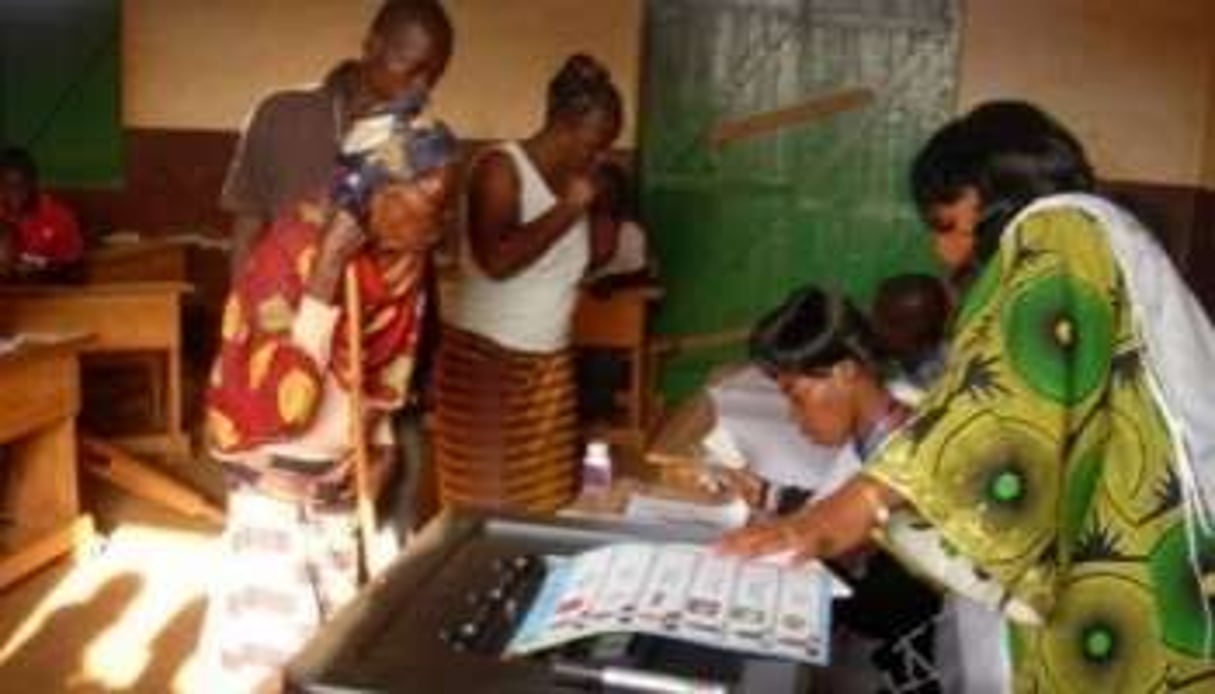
column 60, row 97
column 736, row 228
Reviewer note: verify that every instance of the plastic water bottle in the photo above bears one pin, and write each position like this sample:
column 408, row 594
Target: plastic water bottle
column 596, row 468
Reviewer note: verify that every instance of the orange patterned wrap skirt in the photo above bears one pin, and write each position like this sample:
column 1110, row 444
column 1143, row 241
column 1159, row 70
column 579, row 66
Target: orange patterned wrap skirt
column 506, row 430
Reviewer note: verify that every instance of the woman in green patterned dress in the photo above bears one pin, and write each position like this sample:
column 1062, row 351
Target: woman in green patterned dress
column 1058, row 470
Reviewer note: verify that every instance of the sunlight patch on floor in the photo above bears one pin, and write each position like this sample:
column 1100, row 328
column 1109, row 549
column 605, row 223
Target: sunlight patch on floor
column 146, row 585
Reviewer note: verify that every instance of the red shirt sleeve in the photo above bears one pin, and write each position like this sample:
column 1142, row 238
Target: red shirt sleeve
column 50, row 233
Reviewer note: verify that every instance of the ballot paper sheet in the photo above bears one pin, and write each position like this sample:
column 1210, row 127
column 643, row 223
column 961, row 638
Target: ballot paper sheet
column 683, row 592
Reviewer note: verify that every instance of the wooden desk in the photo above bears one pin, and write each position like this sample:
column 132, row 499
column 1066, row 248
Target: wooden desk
column 139, row 261
column 39, row 399
column 618, row 321
column 122, row 317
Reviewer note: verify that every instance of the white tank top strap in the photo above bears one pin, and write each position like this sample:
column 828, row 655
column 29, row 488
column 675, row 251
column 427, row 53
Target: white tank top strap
column 533, row 189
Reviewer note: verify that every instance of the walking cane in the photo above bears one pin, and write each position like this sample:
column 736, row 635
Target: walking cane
column 364, row 502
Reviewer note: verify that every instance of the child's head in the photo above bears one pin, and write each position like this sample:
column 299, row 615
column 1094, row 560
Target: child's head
column 819, row 349
column 18, row 181
column 401, row 173
column 408, row 216
column 910, row 314
column 407, row 48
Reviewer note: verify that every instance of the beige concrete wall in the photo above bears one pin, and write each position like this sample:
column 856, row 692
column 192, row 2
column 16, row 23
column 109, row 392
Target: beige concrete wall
column 1131, row 77
column 1208, row 178
column 203, row 63
column 1134, row 78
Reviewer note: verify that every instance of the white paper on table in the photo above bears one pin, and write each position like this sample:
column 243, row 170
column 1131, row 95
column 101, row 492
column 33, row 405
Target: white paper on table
column 722, row 449
column 203, row 241
column 631, row 254
column 122, row 238
column 19, row 340
column 727, row 516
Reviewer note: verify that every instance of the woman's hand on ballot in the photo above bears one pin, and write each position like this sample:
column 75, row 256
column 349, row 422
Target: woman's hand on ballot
column 839, row 524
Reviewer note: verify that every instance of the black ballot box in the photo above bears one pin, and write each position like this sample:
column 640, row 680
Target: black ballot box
column 404, row 631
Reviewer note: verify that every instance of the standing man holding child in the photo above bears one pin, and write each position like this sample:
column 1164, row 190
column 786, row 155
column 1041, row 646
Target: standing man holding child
column 281, row 407
column 293, row 137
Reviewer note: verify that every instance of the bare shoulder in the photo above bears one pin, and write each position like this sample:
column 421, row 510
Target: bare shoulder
column 493, row 162
column 494, row 169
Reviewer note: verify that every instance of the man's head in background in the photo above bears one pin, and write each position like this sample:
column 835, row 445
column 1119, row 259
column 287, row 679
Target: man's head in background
column 406, row 49
column 910, row 316
column 18, row 182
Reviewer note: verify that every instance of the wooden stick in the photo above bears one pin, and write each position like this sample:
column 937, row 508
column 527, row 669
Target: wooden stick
column 364, row 503
column 113, row 464
column 808, row 111
column 670, row 344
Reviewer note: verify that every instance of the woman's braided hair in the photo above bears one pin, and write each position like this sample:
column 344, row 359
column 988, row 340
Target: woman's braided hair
column 582, row 85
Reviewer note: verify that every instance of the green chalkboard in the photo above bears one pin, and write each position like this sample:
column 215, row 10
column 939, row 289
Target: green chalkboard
column 737, row 227
column 60, row 90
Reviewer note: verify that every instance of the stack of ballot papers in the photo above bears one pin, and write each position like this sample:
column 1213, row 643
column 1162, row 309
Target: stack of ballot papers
column 685, row 592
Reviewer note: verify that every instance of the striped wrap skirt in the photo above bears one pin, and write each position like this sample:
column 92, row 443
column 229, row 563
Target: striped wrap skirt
column 506, row 427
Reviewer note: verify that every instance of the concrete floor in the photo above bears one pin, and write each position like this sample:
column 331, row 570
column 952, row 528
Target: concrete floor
column 125, row 617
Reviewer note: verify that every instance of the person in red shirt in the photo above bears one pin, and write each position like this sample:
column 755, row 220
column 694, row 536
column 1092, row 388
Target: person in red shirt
column 39, row 236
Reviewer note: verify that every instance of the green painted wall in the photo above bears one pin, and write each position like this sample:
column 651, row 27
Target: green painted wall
column 59, row 87
column 737, row 228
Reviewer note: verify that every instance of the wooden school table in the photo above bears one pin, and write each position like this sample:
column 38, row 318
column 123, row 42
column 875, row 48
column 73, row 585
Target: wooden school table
column 618, row 321
column 121, row 317
column 164, row 260
column 39, row 399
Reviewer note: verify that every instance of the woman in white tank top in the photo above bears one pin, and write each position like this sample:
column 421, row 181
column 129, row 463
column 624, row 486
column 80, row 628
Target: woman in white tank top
column 506, row 431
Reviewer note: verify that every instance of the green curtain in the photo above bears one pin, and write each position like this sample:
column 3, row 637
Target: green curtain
column 60, row 93
column 735, row 228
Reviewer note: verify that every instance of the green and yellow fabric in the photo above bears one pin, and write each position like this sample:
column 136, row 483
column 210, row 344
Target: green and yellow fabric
column 1042, row 478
